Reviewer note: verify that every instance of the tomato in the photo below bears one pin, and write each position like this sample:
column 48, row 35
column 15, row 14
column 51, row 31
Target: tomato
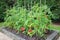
column 22, row 29
column 30, row 30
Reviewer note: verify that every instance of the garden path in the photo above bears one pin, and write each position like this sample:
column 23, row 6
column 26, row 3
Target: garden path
column 4, row 37
column 58, row 38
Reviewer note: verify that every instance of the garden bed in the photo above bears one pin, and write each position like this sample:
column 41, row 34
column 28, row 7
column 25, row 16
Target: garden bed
column 53, row 35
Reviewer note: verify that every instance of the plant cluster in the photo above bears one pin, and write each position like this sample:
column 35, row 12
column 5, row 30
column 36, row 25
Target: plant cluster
column 36, row 21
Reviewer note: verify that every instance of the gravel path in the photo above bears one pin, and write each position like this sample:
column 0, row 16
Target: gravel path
column 4, row 37
column 58, row 38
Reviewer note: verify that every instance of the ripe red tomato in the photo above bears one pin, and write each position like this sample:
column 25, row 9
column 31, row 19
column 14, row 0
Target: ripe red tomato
column 30, row 30
column 22, row 29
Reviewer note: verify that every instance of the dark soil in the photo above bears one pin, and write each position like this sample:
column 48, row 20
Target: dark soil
column 56, row 22
column 30, row 38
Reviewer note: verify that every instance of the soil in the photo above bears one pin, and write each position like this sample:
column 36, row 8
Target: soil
column 56, row 24
column 30, row 38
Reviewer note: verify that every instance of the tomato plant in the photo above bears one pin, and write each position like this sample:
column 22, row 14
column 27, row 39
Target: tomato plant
column 32, row 22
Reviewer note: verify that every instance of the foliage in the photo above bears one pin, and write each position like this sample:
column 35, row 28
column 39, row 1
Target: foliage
column 52, row 4
column 28, row 3
column 56, row 10
column 2, row 9
column 10, row 3
column 5, row 4
column 29, row 22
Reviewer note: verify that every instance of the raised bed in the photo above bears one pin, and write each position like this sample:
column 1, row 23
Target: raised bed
column 53, row 36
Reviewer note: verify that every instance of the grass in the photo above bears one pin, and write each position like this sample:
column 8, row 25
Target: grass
column 1, row 24
column 55, row 27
